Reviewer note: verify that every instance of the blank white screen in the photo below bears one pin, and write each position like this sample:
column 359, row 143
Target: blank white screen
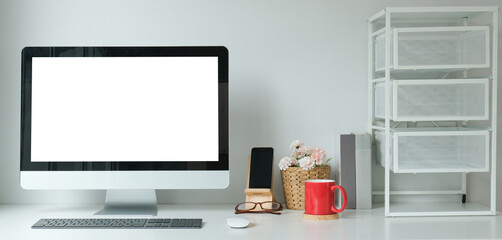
column 124, row 109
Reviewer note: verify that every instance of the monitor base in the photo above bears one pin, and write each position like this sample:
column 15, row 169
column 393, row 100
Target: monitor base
column 130, row 202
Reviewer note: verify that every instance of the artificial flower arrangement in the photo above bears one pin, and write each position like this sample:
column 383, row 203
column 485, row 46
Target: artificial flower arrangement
column 304, row 156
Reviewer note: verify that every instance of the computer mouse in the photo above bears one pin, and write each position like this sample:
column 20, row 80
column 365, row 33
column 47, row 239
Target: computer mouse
column 237, row 222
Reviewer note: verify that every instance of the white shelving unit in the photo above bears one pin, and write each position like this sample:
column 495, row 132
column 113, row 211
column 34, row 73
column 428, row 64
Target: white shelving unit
column 433, row 102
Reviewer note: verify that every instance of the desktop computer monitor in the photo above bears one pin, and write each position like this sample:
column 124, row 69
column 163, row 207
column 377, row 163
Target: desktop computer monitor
column 125, row 119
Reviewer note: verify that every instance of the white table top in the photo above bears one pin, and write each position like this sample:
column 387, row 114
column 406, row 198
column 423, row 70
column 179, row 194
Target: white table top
column 16, row 221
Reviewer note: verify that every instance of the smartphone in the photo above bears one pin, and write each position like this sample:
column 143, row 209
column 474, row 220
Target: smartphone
column 261, row 167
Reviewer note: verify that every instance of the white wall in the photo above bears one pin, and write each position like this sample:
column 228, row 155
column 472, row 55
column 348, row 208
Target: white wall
column 298, row 70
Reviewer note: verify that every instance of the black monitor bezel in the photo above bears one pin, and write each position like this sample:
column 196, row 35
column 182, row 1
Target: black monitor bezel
column 158, row 51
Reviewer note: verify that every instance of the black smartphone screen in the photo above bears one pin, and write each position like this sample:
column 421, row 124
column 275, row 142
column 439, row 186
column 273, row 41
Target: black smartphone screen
column 261, row 167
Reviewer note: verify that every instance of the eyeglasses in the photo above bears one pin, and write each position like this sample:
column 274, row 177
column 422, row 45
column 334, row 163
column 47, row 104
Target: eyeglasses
column 266, row 207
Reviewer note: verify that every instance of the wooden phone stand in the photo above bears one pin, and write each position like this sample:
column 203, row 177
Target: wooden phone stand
column 258, row 194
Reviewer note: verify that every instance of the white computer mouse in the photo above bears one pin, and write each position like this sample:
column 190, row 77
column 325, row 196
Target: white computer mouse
column 237, row 222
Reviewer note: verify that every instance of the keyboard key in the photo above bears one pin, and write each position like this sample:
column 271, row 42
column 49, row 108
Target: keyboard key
column 197, row 223
column 39, row 224
column 59, row 224
column 182, row 222
column 189, row 223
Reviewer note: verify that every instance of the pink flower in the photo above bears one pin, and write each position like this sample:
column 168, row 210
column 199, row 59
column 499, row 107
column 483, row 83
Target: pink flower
column 285, row 163
column 295, row 155
column 305, row 150
column 301, row 152
column 295, row 144
column 294, row 161
column 307, row 163
column 319, row 156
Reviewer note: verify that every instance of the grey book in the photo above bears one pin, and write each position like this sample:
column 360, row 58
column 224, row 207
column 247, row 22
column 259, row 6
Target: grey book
column 348, row 167
column 363, row 171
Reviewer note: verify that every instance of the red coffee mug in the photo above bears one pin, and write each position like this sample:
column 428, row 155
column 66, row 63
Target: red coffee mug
column 320, row 197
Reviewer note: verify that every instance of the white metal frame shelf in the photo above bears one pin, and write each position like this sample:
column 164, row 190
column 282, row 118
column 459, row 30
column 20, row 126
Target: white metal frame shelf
column 389, row 23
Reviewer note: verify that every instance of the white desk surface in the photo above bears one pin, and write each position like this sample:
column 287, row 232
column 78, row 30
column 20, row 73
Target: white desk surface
column 16, row 221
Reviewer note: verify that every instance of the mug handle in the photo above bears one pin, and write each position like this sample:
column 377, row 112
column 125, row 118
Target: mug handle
column 344, row 199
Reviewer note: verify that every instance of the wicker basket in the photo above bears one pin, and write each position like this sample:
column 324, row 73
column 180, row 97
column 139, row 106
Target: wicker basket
column 293, row 183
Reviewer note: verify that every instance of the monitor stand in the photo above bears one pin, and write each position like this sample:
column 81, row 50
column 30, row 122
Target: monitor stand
column 130, row 202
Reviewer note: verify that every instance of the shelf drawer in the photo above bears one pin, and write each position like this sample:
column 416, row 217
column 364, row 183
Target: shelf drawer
column 435, row 100
column 435, row 48
column 436, row 151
